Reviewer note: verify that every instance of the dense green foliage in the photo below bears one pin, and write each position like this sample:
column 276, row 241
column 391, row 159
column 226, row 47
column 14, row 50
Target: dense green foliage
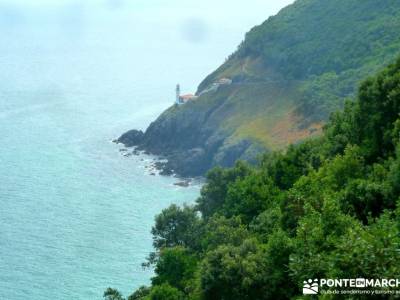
column 306, row 39
column 325, row 47
column 330, row 44
column 326, row 208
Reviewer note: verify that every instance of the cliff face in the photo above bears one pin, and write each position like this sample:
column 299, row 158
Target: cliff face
column 287, row 76
column 193, row 137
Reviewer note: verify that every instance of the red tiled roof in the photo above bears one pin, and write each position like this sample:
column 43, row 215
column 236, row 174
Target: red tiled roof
column 187, row 96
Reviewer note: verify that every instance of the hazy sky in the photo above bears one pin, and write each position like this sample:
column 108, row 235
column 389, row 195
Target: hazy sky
column 195, row 35
column 246, row 13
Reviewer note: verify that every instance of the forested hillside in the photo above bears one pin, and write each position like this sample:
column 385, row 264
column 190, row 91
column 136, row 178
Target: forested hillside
column 287, row 76
column 330, row 45
column 325, row 208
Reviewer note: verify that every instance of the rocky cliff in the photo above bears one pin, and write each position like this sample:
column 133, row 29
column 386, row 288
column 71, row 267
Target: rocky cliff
column 287, row 76
column 193, row 137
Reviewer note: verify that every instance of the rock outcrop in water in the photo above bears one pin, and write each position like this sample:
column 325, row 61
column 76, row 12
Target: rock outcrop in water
column 131, row 138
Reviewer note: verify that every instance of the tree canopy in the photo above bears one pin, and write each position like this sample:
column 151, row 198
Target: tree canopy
column 326, row 208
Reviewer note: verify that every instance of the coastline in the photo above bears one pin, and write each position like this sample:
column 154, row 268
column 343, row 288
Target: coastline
column 156, row 165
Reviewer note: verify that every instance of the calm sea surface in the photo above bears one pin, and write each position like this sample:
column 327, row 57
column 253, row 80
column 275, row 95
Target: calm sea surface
column 75, row 214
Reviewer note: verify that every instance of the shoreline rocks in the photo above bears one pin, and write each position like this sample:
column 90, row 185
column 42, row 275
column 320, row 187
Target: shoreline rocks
column 191, row 140
column 131, row 138
column 157, row 165
column 184, row 183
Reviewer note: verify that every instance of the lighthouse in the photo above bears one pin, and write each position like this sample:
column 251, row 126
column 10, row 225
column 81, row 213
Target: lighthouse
column 181, row 99
column 178, row 94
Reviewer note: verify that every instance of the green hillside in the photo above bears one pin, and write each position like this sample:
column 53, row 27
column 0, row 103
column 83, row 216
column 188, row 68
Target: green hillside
column 326, row 208
column 287, row 76
column 319, row 51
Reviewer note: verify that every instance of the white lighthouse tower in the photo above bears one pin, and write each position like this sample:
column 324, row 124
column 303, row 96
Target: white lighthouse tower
column 178, row 94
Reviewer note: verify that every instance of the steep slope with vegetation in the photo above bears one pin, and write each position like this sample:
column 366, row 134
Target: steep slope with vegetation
column 288, row 74
column 326, row 208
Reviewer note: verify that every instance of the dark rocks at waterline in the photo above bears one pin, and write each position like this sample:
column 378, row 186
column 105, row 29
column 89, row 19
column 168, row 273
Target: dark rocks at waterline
column 189, row 163
column 166, row 172
column 131, row 138
column 184, row 183
column 164, row 168
column 159, row 165
column 186, row 138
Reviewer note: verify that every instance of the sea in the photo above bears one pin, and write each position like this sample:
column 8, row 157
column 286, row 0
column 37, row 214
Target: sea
column 75, row 213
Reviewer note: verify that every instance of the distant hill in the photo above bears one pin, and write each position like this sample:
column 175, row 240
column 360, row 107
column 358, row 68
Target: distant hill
column 287, row 76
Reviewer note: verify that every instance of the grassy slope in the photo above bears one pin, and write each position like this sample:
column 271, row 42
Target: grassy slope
column 260, row 109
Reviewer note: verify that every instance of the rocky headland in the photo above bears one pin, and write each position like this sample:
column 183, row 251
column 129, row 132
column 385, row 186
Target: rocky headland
column 276, row 89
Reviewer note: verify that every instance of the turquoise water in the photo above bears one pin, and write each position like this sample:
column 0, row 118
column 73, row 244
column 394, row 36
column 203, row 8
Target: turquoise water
column 75, row 214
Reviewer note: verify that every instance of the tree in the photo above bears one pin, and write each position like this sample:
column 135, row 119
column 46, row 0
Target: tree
column 318, row 235
column 379, row 102
column 367, row 251
column 220, row 230
column 227, row 272
column 176, row 226
column 394, row 174
column 286, row 168
column 140, row 294
column 250, row 196
column 214, row 191
column 175, row 266
column 165, row 292
column 112, row 294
